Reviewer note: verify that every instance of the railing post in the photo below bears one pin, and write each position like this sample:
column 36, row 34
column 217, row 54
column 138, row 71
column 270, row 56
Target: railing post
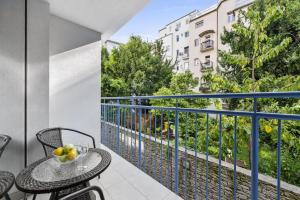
column 103, row 131
column 254, row 152
column 118, row 124
column 176, row 149
column 140, row 137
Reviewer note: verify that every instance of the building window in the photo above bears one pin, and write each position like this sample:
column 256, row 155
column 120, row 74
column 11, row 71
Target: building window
column 170, row 28
column 199, row 24
column 196, row 61
column 207, row 37
column 187, row 34
column 230, row 17
column 177, row 52
column 187, row 21
column 186, row 50
column 196, row 41
column 168, row 48
column 178, row 27
column 186, row 65
column 177, row 38
column 207, row 59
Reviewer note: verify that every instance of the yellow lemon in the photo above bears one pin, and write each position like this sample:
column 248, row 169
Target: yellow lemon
column 59, row 151
column 72, row 154
column 268, row 129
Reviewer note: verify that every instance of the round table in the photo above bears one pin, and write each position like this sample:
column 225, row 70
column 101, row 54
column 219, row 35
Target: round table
column 48, row 176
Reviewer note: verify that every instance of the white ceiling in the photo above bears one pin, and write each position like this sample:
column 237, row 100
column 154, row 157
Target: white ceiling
column 105, row 16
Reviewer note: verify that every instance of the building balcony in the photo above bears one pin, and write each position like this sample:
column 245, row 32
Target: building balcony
column 207, row 66
column 208, row 45
column 185, row 56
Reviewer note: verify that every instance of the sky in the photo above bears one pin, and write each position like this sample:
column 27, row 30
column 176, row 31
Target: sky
column 156, row 15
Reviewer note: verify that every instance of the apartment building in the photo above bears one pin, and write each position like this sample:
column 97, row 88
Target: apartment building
column 204, row 32
column 175, row 37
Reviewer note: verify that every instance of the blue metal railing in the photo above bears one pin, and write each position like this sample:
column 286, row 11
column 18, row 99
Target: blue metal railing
column 135, row 131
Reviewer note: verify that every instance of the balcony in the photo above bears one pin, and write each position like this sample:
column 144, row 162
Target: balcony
column 157, row 141
column 185, row 56
column 207, row 66
column 208, row 45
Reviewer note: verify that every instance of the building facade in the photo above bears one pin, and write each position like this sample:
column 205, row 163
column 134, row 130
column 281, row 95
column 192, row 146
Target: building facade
column 175, row 37
column 204, row 38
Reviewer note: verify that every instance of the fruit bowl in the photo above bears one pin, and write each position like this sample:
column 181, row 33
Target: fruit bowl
column 66, row 154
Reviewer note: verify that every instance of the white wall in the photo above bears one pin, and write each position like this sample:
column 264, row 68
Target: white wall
column 13, row 106
column 37, row 76
column 12, row 68
column 75, row 91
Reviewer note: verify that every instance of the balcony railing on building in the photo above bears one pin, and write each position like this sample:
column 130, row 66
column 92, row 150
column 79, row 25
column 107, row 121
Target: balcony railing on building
column 207, row 45
column 164, row 143
column 185, row 56
column 207, row 65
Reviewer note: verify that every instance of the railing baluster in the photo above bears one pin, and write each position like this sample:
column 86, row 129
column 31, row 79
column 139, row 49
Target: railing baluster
column 161, row 145
column 150, row 142
column 220, row 160
column 135, row 157
column 155, row 155
column 118, row 133
column 279, row 160
column 185, row 155
column 254, row 153
column 195, row 158
column 131, row 127
column 206, row 161
column 145, row 146
column 234, row 157
column 121, row 127
column 125, row 132
column 168, row 153
column 140, row 137
column 176, row 148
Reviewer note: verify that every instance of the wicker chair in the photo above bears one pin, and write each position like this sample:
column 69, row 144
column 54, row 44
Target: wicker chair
column 7, row 179
column 79, row 193
column 50, row 139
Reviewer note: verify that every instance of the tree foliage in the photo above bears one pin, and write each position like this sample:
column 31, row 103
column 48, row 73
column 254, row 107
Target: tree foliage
column 135, row 68
column 264, row 39
column 264, row 56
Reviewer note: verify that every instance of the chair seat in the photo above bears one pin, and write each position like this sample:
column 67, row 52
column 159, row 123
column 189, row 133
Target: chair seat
column 7, row 180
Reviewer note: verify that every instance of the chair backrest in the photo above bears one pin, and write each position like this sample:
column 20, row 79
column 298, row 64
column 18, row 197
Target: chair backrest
column 4, row 140
column 50, row 139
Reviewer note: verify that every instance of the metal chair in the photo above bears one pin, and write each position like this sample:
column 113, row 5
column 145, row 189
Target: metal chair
column 79, row 193
column 51, row 139
column 7, row 179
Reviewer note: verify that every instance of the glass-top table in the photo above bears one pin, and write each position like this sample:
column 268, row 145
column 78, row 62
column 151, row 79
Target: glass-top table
column 47, row 175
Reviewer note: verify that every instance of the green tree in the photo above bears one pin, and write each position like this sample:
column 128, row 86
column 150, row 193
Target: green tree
column 135, row 68
column 264, row 39
column 264, row 56
column 181, row 84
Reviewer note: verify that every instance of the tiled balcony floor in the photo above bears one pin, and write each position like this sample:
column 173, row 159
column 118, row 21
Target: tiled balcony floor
column 124, row 181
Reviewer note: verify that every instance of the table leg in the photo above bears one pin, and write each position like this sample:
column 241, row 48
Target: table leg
column 54, row 196
column 34, row 197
